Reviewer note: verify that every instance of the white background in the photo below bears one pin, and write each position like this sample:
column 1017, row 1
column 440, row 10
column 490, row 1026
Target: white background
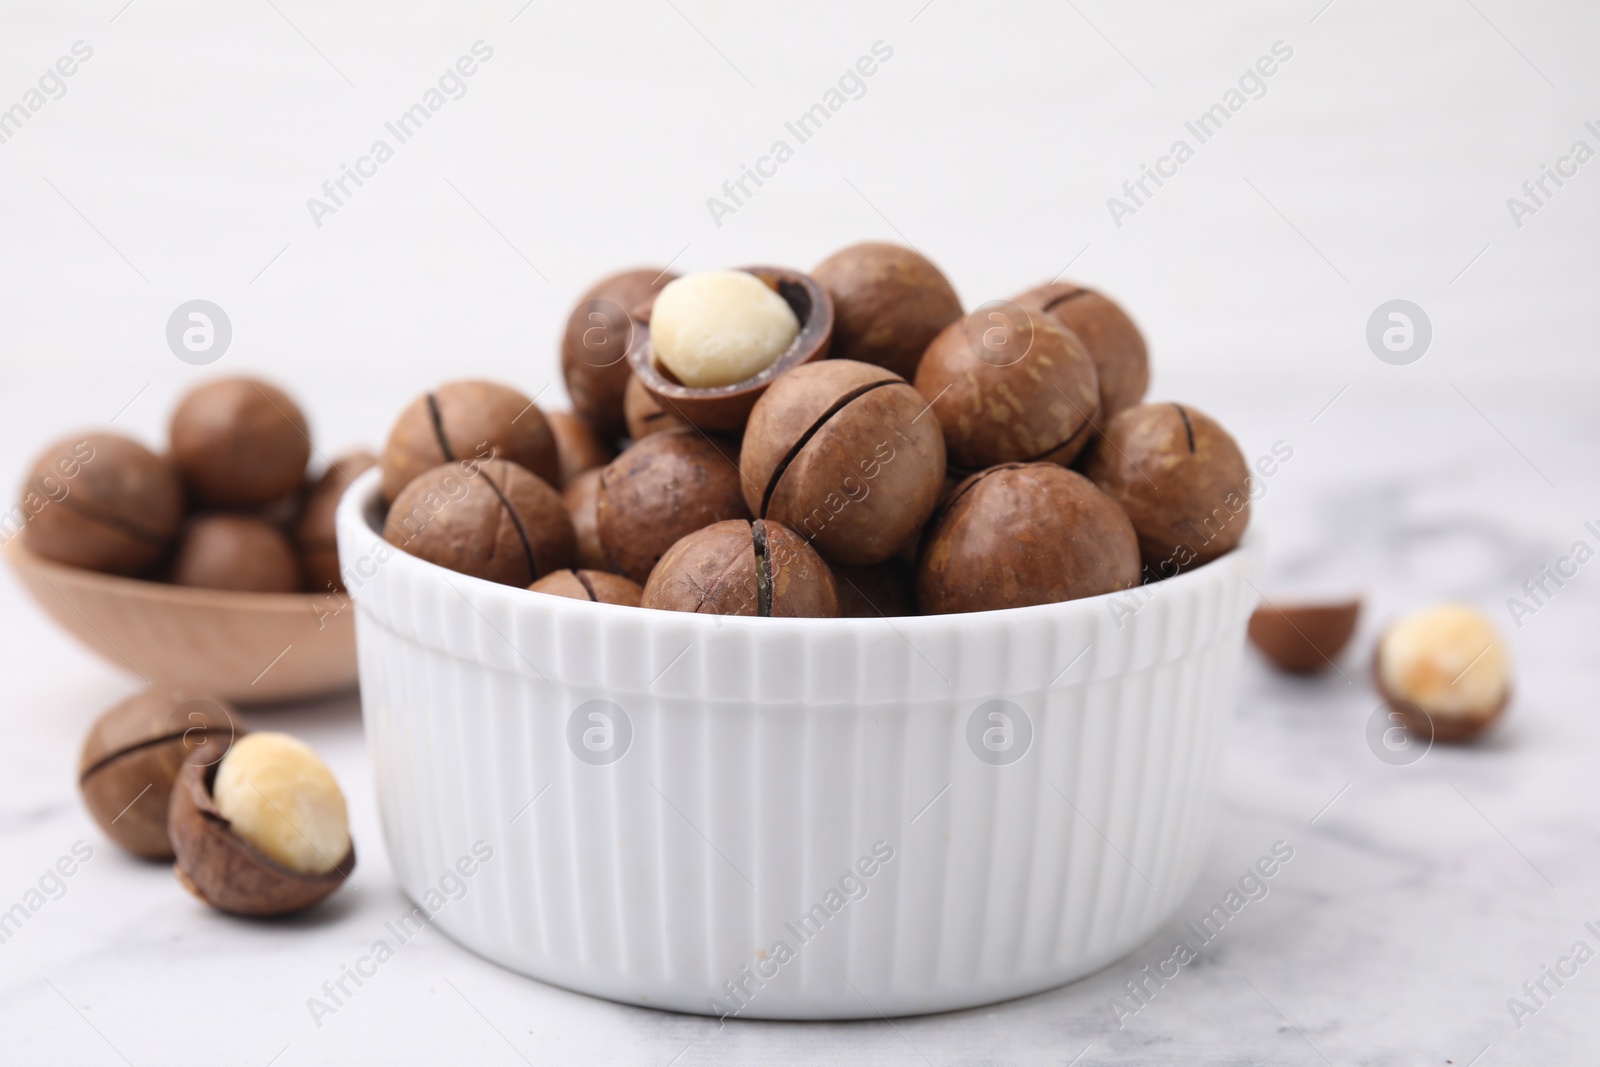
column 1377, row 166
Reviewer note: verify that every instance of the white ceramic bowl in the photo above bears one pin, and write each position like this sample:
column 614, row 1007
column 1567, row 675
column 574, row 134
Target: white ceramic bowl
column 800, row 818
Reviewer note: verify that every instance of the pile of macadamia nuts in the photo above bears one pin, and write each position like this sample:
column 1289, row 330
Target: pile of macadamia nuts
column 229, row 506
column 255, row 822
column 844, row 443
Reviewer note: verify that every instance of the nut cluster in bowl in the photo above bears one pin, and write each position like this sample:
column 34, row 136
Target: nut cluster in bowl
column 850, row 442
column 229, row 506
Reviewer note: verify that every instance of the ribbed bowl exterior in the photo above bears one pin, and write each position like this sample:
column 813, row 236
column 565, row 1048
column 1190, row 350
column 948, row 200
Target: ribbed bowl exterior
column 720, row 865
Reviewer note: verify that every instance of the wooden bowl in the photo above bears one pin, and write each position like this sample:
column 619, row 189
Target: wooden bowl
column 724, row 408
column 249, row 648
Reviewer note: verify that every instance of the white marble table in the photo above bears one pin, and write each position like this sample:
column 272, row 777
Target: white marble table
column 1418, row 900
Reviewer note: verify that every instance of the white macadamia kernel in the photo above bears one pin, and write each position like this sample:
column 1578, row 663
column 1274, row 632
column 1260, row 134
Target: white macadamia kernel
column 719, row 327
column 282, row 799
column 1447, row 660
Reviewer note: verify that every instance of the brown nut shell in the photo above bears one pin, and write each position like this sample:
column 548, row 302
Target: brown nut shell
column 222, row 869
column 492, row 520
column 724, row 408
column 741, row 567
column 103, row 502
column 600, row 587
column 468, row 420
column 847, row 455
column 645, row 414
column 1010, row 385
column 132, row 756
column 600, row 332
column 880, row 590
column 889, row 303
column 236, row 552
column 1118, row 349
column 240, row 443
column 578, row 447
column 1181, row 479
column 1449, row 729
column 1024, row 534
column 1304, row 638
column 581, row 497
column 666, row 486
column 314, row 532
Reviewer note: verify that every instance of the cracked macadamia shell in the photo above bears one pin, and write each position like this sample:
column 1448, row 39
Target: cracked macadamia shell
column 889, row 303
column 133, row 755
column 468, row 420
column 666, row 486
column 224, row 870
column 599, row 587
column 599, row 334
column 282, row 799
column 718, row 327
column 1448, row 665
column 103, row 502
column 725, row 408
column 1180, row 478
column 239, row 442
column 493, row 520
column 741, row 567
column 1023, row 534
column 1118, row 349
column 847, row 455
column 1010, row 386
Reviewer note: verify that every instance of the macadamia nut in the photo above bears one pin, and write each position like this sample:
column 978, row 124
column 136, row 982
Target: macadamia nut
column 282, row 799
column 1448, row 661
column 719, row 327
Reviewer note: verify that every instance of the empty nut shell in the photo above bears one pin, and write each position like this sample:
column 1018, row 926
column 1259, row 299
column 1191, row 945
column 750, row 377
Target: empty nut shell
column 666, row 486
column 240, row 443
column 1180, row 478
column 599, row 587
column 1010, row 386
column 1304, row 638
column 841, row 452
column 1120, row 356
column 594, row 349
column 493, row 520
column 133, row 754
column 740, row 567
column 103, row 502
column 236, row 552
column 467, row 420
column 1023, row 534
column 889, row 303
